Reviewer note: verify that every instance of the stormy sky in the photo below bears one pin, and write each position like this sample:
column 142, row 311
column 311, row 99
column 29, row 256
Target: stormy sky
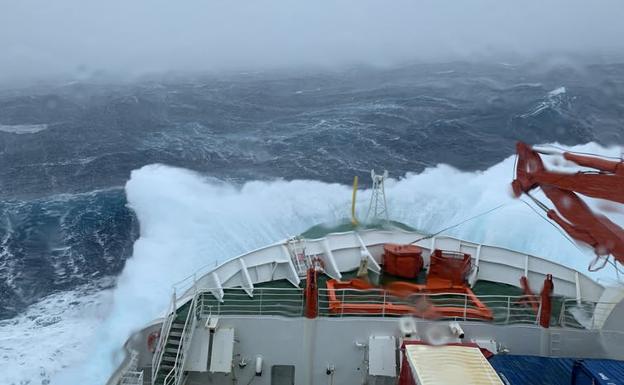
column 79, row 38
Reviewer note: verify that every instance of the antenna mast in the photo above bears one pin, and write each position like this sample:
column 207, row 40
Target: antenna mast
column 378, row 207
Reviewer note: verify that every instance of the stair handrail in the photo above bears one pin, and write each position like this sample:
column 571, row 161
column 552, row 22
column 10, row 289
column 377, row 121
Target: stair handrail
column 187, row 343
column 162, row 339
column 187, row 333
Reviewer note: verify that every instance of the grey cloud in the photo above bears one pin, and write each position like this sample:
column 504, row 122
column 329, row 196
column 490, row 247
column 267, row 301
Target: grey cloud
column 41, row 39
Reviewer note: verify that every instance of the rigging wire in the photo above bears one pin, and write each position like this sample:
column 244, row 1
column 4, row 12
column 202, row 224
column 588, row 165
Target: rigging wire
column 606, row 259
column 539, row 203
column 552, row 224
column 460, row 223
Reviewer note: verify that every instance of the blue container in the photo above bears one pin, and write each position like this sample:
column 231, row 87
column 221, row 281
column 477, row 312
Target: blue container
column 598, row 372
column 534, row 370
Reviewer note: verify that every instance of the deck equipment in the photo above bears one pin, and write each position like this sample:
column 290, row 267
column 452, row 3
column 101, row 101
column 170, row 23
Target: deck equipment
column 447, row 275
column 454, row 364
column 572, row 214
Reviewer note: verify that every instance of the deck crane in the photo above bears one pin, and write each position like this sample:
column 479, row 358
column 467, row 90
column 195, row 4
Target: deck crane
column 571, row 213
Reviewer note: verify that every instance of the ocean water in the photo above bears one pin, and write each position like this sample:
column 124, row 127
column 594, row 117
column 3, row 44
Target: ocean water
column 110, row 193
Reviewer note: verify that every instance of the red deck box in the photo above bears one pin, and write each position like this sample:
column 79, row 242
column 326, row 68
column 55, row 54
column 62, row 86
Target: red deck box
column 403, row 261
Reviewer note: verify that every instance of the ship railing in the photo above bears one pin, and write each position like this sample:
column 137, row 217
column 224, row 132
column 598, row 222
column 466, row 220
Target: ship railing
column 505, row 309
column 285, row 302
column 176, row 374
column 132, row 378
column 584, row 314
column 132, row 375
column 189, row 282
column 164, row 334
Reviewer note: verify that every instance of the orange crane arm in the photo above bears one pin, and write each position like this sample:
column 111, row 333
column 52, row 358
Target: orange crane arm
column 572, row 214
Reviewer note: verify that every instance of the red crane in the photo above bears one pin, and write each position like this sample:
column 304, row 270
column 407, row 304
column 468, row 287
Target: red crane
column 572, row 213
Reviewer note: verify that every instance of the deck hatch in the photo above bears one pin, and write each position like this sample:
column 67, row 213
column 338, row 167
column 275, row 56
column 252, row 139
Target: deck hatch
column 222, row 351
column 382, row 356
column 197, row 360
column 282, row 375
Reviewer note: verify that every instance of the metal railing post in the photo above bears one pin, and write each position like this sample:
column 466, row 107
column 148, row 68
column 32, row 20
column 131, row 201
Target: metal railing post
column 593, row 319
column 508, row 309
column 465, row 306
column 383, row 308
column 175, row 308
column 562, row 314
column 260, row 310
column 539, row 312
column 342, row 301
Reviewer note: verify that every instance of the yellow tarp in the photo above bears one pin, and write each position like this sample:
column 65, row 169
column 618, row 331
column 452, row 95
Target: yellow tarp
column 450, row 365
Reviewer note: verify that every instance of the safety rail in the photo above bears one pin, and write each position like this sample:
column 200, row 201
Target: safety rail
column 164, row 333
column 132, row 378
column 176, row 374
column 189, row 282
column 132, row 375
column 584, row 314
column 505, row 309
column 290, row 302
column 286, row 302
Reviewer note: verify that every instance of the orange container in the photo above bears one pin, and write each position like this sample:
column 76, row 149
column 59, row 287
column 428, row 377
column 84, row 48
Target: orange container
column 402, row 260
column 448, row 266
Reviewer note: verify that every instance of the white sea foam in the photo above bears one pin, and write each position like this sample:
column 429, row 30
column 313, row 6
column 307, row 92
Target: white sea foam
column 188, row 221
column 557, row 91
column 23, row 128
column 554, row 99
column 51, row 335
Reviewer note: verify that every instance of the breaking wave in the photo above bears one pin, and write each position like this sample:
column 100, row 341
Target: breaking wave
column 23, row 128
column 556, row 100
column 188, row 221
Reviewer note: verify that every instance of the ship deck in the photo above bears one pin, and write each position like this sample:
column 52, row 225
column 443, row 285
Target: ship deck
column 281, row 298
column 265, row 287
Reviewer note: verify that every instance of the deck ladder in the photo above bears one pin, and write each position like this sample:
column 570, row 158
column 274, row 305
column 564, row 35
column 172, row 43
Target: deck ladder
column 555, row 343
column 297, row 248
column 164, row 334
column 176, row 343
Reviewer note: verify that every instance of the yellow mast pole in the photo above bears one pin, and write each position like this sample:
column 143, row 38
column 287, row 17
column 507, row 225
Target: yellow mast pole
column 354, row 220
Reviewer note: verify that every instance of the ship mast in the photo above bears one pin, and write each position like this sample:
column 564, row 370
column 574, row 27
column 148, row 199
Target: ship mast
column 378, row 206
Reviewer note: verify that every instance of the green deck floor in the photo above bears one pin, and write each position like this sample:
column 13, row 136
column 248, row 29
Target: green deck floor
column 344, row 225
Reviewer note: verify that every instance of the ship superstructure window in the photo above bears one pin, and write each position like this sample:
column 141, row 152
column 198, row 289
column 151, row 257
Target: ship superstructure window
column 282, row 375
